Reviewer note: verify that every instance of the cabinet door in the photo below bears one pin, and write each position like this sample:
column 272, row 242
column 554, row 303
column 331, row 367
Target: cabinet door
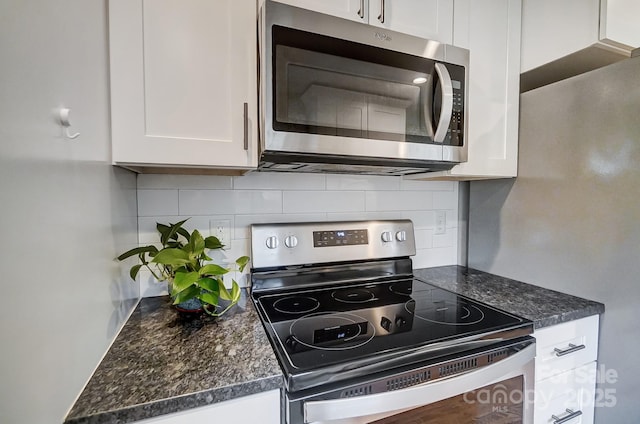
column 570, row 394
column 355, row 10
column 263, row 408
column 431, row 19
column 490, row 29
column 182, row 72
column 619, row 22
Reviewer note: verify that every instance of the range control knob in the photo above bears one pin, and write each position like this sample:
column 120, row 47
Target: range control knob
column 400, row 322
column 386, row 236
column 401, row 235
column 291, row 241
column 272, row 242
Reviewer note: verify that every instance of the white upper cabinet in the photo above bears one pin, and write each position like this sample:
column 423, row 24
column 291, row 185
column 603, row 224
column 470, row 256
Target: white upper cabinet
column 183, row 83
column 431, row 19
column 554, row 29
column 619, row 23
column 490, row 29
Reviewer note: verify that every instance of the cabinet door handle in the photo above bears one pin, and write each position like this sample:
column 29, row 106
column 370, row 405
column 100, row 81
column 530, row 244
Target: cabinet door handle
column 361, row 10
column 571, row 414
column 246, row 126
column 381, row 15
column 572, row 348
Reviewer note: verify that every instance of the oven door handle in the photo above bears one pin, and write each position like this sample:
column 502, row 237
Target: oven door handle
column 412, row 397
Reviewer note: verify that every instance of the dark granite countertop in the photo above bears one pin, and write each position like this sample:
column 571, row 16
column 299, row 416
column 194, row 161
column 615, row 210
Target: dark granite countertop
column 161, row 363
column 542, row 306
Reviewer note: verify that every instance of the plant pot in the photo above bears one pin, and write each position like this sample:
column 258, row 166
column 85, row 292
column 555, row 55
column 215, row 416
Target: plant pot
column 191, row 306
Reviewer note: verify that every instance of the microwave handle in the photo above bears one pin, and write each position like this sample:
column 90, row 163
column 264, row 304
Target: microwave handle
column 446, row 111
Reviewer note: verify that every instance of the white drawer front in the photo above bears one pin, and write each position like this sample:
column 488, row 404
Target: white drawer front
column 566, row 394
column 566, row 346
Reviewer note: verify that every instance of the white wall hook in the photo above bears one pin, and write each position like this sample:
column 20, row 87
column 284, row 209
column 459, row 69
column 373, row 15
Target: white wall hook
column 63, row 116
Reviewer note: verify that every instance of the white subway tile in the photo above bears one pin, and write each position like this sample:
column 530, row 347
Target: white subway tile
column 362, row 182
column 447, row 239
column 217, row 202
column 157, row 202
column 322, row 201
column 147, row 232
column 159, row 181
column 445, row 200
column 279, row 181
column 358, row 216
column 421, row 219
column 398, row 200
column 243, row 222
column 437, row 256
column 424, row 239
column 415, row 185
column 149, row 287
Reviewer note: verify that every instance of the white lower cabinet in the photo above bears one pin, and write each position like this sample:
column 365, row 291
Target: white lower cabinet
column 566, row 371
column 569, row 394
column 263, row 408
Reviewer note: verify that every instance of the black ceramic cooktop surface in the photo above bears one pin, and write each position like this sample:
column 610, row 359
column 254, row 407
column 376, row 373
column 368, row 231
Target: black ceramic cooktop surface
column 314, row 329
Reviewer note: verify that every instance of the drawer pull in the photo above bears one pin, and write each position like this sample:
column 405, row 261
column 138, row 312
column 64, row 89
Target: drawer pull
column 571, row 415
column 572, row 348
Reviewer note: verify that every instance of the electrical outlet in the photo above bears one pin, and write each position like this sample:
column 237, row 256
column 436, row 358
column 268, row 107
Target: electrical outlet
column 441, row 222
column 222, row 230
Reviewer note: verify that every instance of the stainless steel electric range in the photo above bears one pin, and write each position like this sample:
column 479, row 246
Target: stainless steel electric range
column 359, row 339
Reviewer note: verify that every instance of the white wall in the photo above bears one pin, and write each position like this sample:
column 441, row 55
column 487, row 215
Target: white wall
column 282, row 197
column 570, row 221
column 64, row 210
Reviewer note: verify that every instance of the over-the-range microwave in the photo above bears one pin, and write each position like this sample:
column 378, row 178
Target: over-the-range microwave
column 346, row 97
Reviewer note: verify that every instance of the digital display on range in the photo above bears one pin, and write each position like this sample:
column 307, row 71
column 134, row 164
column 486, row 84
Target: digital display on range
column 342, row 333
column 340, row 238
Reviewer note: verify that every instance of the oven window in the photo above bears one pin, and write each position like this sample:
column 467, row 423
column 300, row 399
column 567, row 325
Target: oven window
column 501, row 403
column 323, row 85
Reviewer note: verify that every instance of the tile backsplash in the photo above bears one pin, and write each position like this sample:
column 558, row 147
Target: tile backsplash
column 287, row 197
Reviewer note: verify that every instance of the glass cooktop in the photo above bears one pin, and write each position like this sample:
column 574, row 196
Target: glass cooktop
column 362, row 324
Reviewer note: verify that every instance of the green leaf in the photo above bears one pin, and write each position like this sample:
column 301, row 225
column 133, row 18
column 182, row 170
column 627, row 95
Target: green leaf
column 196, row 243
column 213, row 269
column 136, row 251
column 235, row 291
column 224, row 293
column 171, row 234
column 212, row 242
column 183, row 280
column 164, row 232
column 210, row 298
column 208, row 284
column 133, row 272
column 173, row 257
column 184, row 233
column 187, row 294
column 242, row 262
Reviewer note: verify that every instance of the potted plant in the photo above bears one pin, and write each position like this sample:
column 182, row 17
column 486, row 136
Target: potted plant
column 193, row 280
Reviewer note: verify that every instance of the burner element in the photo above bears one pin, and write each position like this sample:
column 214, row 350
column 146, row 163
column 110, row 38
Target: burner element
column 330, row 331
column 446, row 312
column 296, row 305
column 353, row 295
column 403, row 288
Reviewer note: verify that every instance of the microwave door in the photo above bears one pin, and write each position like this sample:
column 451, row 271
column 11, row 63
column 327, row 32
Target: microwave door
column 442, row 103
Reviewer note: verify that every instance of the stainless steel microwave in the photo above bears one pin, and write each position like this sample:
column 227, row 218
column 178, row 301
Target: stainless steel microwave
column 341, row 96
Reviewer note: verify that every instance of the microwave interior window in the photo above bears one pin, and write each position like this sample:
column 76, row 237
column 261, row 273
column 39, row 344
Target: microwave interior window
column 324, row 85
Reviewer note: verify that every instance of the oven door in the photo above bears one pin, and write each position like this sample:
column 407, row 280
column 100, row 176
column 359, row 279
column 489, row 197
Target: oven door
column 497, row 393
